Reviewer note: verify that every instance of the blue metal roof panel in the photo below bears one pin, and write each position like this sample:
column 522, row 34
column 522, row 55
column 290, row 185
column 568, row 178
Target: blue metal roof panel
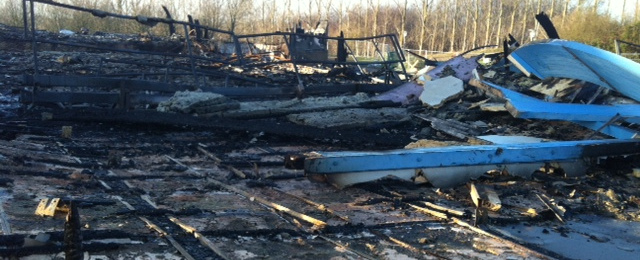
column 567, row 59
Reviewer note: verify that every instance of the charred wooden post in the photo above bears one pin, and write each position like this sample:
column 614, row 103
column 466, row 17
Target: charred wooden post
column 191, row 25
column 236, row 42
column 24, row 19
column 33, row 38
column 291, row 45
column 198, row 30
column 547, row 25
column 342, row 51
column 172, row 27
column 123, row 100
column 73, row 234
column 190, row 48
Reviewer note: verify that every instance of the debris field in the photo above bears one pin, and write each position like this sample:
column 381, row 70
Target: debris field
column 119, row 146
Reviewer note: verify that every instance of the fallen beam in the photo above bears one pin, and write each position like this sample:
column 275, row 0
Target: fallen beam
column 450, row 166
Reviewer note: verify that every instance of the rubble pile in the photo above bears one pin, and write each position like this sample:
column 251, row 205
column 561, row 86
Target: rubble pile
column 132, row 146
column 189, row 102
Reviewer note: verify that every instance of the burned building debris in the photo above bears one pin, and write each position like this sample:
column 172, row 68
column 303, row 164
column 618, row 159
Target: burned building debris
column 210, row 145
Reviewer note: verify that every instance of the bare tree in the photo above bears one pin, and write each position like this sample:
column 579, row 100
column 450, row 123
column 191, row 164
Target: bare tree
column 564, row 12
column 524, row 20
column 424, row 14
column 500, row 12
column 465, row 26
column 476, row 17
column 237, row 11
column 635, row 13
column 453, row 26
column 402, row 8
column 488, row 21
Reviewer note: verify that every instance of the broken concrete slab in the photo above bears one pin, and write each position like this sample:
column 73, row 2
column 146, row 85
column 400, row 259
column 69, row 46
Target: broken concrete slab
column 351, row 118
column 439, row 91
column 197, row 102
column 408, row 93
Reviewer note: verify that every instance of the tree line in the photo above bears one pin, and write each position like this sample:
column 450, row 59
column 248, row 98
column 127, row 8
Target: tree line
column 434, row 25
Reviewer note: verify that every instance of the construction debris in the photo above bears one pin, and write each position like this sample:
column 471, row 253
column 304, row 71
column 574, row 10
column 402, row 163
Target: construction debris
column 573, row 60
column 188, row 102
column 178, row 146
column 484, row 197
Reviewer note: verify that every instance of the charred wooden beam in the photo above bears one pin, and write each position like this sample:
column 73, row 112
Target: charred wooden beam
column 547, row 25
column 73, row 235
column 166, row 119
column 317, row 224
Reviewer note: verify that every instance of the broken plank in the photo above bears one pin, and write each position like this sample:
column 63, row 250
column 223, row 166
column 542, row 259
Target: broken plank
column 169, row 237
column 317, row 224
column 451, row 127
column 484, row 196
column 551, row 206
column 203, row 240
